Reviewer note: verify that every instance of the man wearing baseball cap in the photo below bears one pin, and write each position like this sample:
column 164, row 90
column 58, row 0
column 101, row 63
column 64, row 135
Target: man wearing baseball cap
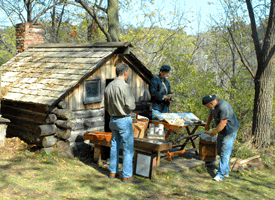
column 226, row 128
column 161, row 94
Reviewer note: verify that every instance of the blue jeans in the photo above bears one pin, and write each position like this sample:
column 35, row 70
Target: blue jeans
column 224, row 149
column 154, row 117
column 122, row 133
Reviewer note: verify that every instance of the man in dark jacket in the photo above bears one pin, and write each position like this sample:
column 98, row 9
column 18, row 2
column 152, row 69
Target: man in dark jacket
column 161, row 94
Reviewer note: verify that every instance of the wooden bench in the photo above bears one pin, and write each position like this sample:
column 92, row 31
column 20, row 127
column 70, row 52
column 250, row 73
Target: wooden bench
column 99, row 139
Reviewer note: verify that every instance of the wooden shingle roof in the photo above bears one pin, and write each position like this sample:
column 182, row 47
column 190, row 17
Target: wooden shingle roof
column 44, row 73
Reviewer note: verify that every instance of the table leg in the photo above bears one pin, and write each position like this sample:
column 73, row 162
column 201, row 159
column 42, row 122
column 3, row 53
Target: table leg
column 173, row 153
column 158, row 158
column 168, row 155
column 192, row 141
column 97, row 154
column 167, row 134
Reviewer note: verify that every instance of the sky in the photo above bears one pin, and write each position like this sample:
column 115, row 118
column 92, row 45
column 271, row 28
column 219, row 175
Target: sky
column 190, row 8
column 195, row 12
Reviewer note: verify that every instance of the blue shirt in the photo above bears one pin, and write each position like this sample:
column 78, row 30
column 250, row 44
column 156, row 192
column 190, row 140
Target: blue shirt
column 224, row 110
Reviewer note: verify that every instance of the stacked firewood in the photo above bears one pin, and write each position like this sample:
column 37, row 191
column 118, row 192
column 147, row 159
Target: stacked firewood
column 57, row 130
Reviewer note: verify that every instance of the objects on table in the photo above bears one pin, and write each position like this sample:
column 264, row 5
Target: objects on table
column 179, row 119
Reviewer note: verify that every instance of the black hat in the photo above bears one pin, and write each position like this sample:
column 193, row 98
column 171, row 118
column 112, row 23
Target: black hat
column 208, row 98
column 165, row 68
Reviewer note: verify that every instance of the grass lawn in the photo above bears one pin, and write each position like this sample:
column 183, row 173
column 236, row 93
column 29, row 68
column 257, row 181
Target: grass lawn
column 26, row 175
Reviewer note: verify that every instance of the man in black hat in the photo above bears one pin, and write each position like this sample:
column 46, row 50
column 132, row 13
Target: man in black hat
column 226, row 128
column 161, row 94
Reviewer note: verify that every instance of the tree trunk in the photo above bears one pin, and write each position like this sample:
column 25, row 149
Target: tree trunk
column 113, row 20
column 53, row 39
column 264, row 80
column 29, row 11
column 264, row 88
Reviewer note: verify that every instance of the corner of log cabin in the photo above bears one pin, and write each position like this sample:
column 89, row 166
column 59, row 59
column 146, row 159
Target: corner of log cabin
column 53, row 76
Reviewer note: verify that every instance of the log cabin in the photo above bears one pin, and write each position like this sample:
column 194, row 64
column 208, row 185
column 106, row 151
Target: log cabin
column 54, row 92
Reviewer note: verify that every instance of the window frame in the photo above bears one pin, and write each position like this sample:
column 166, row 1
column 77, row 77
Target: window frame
column 88, row 100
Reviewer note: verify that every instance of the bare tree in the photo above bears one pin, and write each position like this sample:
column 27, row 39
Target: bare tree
column 263, row 36
column 15, row 9
column 264, row 79
column 112, row 31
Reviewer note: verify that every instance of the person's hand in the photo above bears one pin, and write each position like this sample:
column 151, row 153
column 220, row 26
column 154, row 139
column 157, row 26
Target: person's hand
column 172, row 95
column 212, row 134
column 166, row 96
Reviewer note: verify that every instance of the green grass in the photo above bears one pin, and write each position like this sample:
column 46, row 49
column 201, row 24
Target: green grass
column 26, row 175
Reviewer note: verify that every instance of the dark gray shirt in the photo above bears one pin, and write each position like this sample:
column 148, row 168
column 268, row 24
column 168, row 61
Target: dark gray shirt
column 224, row 110
column 118, row 98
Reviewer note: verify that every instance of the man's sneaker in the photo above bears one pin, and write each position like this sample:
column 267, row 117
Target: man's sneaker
column 217, row 178
column 226, row 175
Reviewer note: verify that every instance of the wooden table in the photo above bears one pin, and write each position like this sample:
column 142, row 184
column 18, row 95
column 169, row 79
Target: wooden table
column 192, row 135
column 151, row 146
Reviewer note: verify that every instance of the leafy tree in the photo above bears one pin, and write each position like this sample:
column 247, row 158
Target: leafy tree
column 7, row 44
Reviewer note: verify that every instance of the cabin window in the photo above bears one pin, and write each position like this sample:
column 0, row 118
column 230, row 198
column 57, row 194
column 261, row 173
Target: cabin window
column 93, row 91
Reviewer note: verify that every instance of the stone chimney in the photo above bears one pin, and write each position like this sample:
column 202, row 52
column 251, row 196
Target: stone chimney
column 28, row 34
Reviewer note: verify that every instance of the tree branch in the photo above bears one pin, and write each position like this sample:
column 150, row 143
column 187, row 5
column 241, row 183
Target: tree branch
column 100, row 8
column 6, row 46
column 254, row 30
column 243, row 59
column 36, row 18
column 59, row 23
column 86, row 7
column 268, row 52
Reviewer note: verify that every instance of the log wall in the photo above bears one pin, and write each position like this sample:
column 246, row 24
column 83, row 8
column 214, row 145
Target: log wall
column 107, row 71
column 35, row 125
column 71, row 118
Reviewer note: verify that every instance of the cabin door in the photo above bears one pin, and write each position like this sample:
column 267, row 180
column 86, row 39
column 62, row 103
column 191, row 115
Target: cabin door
column 107, row 116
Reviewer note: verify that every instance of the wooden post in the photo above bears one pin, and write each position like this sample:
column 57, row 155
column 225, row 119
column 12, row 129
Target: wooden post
column 97, row 154
column 3, row 130
column 0, row 92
